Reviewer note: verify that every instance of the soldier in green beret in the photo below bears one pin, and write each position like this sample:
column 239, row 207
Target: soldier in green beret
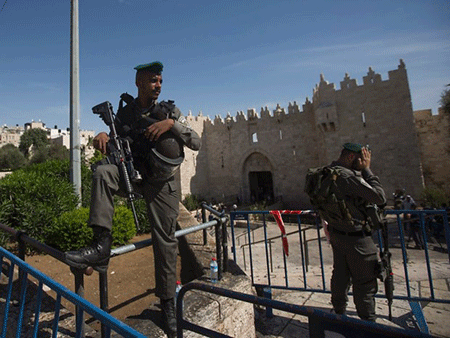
column 353, row 187
column 354, row 252
column 158, row 132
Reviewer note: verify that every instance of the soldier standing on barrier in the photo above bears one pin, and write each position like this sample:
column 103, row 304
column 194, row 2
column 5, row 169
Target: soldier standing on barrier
column 157, row 148
column 355, row 256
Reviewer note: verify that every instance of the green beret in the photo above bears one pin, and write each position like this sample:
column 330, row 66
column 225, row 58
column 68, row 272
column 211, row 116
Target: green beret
column 155, row 67
column 355, row 147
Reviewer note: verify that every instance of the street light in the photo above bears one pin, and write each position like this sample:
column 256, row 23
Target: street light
column 75, row 158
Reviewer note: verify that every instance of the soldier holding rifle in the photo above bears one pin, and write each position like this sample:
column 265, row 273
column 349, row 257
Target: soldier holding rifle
column 157, row 133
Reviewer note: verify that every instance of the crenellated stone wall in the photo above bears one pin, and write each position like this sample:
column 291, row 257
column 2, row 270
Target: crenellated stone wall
column 434, row 140
column 265, row 155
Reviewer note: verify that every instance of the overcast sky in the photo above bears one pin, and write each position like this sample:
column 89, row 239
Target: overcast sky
column 218, row 56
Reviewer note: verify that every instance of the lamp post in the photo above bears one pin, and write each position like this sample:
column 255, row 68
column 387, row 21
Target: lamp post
column 75, row 158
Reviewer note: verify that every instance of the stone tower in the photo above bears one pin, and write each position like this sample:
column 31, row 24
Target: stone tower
column 265, row 155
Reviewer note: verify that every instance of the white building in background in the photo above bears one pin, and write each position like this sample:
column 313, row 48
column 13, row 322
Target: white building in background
column 55, row 135
column 11, row 135
column 35, row 125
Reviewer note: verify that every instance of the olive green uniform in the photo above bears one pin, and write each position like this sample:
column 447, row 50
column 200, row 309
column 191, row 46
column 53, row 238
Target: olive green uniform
column 162, row 198
column 355, row 256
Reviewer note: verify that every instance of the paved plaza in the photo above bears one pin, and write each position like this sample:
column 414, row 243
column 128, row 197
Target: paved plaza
column 283, row 324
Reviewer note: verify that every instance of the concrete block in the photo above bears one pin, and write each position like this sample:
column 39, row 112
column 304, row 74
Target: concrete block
column 223, row 314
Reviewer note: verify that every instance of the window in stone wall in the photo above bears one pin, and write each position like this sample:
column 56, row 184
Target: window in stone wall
column 255, row 138
column 281, row 135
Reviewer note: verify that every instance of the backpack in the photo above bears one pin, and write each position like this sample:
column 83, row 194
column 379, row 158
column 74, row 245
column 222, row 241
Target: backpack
column 321, row 187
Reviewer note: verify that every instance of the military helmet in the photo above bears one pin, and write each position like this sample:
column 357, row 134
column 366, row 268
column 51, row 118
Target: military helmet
column 169, row 148
column 165, row 157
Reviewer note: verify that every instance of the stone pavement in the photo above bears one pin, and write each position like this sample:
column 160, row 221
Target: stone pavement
column 283, row 324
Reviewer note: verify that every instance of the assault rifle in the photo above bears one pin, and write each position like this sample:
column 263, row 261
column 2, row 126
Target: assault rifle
column 119, row 153
column 385, row 274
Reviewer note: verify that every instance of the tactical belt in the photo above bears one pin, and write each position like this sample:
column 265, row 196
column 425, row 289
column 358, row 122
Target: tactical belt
column 359, row 233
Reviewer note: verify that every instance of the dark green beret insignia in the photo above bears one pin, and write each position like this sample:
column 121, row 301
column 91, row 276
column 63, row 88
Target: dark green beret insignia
column 155, row 67
column 355, row 147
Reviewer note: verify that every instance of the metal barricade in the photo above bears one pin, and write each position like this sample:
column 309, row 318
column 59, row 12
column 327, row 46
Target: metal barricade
column 318, row 321
column 218, row 221
column 304, row 255
column 61, row 292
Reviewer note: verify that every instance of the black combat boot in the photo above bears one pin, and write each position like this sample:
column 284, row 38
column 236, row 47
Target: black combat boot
column 96, row 255
column 168, row 316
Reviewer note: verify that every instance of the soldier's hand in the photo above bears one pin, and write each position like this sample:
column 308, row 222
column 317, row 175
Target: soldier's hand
column 155, row 130
column 364, row 160
column 100, row 142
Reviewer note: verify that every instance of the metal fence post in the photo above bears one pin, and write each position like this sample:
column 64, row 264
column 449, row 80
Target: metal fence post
column 205, row 238
column 224, row 243
column 267, row 292
column 79, row 290
column 103, row 286
column 22, row 251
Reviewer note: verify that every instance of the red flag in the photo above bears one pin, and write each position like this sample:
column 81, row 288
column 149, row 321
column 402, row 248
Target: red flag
column 277, row 215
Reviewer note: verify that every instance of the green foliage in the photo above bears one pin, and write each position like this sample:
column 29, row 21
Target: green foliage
column 40, row 200
column 141, row 212
column 11, row 158
column 71, row 232
column 124, row 228
column 33, row 137
column 192, row 202
column 5, row 206
column 445, row 100
column 50, row 152
column 98, row 156
column 31, row 200
column 435, row 197
column 60, row 169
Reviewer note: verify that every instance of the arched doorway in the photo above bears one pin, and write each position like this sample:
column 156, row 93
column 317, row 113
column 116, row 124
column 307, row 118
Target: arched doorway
column 261, row 186
column 257, row 179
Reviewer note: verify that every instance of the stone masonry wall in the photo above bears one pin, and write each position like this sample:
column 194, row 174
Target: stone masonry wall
column 434, row 138
column 378, row 112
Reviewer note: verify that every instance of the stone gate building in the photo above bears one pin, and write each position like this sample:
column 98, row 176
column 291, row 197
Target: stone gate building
column 265, row 156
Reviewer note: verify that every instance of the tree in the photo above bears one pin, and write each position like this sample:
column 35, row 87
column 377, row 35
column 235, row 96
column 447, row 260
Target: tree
column 11, row 158
column 33, row 137
column 50, row 152
column 445, row 100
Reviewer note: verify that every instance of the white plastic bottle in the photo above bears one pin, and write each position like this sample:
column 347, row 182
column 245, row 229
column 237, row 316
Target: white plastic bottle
column 214, row 270
column 177, row 290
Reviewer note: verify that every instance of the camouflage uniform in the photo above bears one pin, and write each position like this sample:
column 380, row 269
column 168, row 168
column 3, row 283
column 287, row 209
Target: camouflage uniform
column 355, row 256
column 162, row 199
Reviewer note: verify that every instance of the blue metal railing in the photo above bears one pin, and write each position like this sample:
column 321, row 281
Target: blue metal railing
column 218, row 221
column 318, row 321
column 316, row 226
column 61, row 292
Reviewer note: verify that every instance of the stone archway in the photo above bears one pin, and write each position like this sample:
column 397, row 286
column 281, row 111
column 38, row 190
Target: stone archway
column 257, row 179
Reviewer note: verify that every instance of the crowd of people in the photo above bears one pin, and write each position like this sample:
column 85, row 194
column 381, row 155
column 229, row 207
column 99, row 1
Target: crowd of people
column 432, row 226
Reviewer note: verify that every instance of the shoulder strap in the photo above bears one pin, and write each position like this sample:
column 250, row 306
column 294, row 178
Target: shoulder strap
column 321, row 187
column 127, row 98
column 163, row 110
